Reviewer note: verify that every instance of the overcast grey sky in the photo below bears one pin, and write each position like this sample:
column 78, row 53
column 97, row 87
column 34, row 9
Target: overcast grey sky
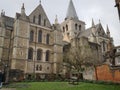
column 86, row 10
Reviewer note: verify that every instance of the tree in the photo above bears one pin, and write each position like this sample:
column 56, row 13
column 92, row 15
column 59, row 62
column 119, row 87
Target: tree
column 118, row 6
column 80, row 54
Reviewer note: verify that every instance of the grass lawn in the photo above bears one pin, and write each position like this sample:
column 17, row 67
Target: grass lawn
column 63, row 86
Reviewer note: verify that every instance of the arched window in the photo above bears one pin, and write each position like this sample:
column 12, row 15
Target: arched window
column 104, row 46
column 40, row 67
column 30, row 53
column 39, row 54
column 44, row 22
column 68, row 34
column 34, row 19
column 37, row 67
column 40, row 36
column 76, row 26
column 63, row 29
column 80, row 27
column 47, row 38
column 31, row 36
column 39, row 19
column 66, row 27
column 47, row 55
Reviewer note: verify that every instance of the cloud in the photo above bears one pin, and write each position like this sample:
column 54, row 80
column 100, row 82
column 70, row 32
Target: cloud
column 86, row 10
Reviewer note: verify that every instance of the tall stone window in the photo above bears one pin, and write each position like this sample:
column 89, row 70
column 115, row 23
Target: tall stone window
column 34, row 17
column 39, row 19
column 63, row 29
column 104, row 48
column 30, row 53
column 39, row 54
column 40, row 36
column 66, row 27
column 47, row 38
column 44, row 22
column 37, row 67
column 79, row 27
column 47, row 55
column 40, row 67
column 31, row 36
column 76, row 26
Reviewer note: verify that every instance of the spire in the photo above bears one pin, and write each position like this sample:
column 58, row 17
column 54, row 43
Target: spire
column 99, row 21
column 93, row 24
column 93, row 27
column 108, row 31
column 23, row 6
column 40, row 1
column 2, row 13
column 99, row 24
column 56, row 20
column 23, row 10
column 71, row 12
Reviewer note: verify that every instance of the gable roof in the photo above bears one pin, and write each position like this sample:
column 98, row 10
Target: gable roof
column 8, row 21
column 99, row 31
column 39, row 11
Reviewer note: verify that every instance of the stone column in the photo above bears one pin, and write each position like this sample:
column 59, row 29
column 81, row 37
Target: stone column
column 44, row 55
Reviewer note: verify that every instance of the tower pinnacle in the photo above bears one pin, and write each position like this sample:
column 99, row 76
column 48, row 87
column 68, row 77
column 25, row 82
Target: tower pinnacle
column 23, row 6
column 23, row 11
column 108, row 31
column 71, row 12
column 93, row 24
column 56, row 20
column 40, row 1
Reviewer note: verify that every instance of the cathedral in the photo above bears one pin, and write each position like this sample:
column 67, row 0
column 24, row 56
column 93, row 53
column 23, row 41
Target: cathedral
column 33, row 45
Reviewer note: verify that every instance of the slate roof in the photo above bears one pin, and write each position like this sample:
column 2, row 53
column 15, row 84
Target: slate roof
column 99, row 31
column 8, row 21
column 71, row 12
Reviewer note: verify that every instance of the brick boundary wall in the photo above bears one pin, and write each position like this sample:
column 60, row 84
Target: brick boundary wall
column 105, row 73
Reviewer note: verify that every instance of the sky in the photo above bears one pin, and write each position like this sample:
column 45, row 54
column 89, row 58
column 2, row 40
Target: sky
column 102, row 10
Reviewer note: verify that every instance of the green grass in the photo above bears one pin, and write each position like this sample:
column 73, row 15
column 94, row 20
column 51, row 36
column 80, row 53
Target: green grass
column 64, row 86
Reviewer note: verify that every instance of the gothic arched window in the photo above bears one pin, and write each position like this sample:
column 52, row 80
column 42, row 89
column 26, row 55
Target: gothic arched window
column 34, row 19
column 30, row 53
column 47, row 55
column 39, row 19
column 39, row 54
column 44, row 22
column 76, row 26
column 47, row 38
column 104, row 48
column 66, row 27
column 31, row 36
column 80, row 27
column 40, row 67
column 63, row 29
column 40, row 36
column 37, row 67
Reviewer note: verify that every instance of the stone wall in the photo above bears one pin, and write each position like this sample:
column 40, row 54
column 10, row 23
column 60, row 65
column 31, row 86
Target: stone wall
column 104, row 73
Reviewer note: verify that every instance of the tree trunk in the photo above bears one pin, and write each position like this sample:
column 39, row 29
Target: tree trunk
column 96, row 73
column 7, row 75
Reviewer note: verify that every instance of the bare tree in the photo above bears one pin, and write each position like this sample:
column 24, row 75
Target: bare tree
column 79, row 54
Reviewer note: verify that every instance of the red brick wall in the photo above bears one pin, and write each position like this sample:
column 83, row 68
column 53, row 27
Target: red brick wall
column 104, row 73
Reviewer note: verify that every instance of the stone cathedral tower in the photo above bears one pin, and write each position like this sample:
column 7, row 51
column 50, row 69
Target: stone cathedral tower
column 71, row 26
column 20, row 40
